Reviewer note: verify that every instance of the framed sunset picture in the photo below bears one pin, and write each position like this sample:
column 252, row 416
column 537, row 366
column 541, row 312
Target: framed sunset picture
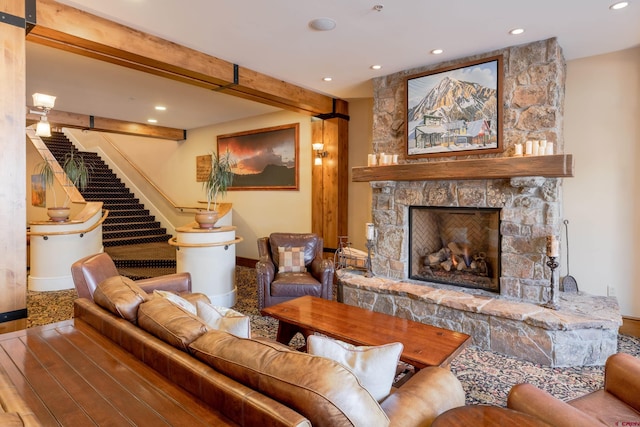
column 263, row 159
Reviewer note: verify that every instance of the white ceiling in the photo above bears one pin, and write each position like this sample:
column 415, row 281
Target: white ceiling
column 273, row 37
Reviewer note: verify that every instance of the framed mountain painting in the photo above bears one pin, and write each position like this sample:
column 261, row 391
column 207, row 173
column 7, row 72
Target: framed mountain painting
column 455, row 111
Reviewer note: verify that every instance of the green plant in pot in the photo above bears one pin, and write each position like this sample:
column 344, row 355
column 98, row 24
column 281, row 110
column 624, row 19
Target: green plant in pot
column 220, row 177
column 77, row 173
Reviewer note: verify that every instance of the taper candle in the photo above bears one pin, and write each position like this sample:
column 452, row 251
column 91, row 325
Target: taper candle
column 553, row 246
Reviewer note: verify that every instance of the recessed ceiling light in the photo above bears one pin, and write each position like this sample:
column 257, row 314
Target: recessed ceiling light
column 322, row 24
column 327, row 79
column 516, row 31
column 376, row 67
column 619, row 5
column 437, row 51
column 161, row 108
column 152, row 121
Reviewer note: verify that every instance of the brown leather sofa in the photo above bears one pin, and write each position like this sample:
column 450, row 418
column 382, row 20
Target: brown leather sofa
column 617, row 404
column 275, row 287
column 258, row 381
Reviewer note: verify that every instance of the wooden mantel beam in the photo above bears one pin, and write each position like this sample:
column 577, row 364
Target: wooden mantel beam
column 102, row 124
column 76, row 31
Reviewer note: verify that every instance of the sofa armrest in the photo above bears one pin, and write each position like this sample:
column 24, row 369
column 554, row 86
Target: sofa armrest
column 622, row 378
column 531, row 400
column 177, row 282
column 427, row 394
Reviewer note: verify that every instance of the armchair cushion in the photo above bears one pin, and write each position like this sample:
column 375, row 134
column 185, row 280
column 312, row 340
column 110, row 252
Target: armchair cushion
column 121, row 296
column 291, row 260
column 295, row 285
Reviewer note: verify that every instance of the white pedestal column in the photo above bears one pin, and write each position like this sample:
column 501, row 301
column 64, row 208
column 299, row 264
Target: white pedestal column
column 210, row 257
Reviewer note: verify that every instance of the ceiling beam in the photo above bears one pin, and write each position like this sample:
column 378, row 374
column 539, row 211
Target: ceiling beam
column 76, row 31
column 102, row 124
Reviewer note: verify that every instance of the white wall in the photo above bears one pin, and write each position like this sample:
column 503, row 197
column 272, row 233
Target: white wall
column 602, row 201
column 171, row 166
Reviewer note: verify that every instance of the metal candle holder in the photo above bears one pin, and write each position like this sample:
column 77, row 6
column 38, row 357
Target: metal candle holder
column 369, row 245
column 552, row 303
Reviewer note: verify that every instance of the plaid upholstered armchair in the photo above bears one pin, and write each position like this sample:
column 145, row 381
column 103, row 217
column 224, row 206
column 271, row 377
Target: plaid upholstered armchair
column 290, row 266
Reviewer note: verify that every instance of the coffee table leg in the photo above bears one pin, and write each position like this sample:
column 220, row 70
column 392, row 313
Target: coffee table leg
column 286, row 332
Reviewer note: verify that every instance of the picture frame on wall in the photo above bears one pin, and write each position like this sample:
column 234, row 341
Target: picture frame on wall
column 456, row 110
column 264, row 159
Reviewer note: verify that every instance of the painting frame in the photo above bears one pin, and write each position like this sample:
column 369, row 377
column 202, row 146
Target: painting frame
column 264, row 159
column 464, row 126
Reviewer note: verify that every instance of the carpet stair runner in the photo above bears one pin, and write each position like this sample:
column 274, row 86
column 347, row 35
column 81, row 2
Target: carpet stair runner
column 130, row 234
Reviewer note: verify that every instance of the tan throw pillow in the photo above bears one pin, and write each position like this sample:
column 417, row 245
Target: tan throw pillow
column 224, row 319
column 374, row 366
column 177, row 300
column 121, row 296
column 291, row 260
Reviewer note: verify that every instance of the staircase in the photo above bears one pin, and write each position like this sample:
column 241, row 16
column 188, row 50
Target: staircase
column 134, row 239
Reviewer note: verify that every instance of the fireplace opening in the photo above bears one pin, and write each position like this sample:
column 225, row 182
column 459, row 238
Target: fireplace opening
column 455, row 246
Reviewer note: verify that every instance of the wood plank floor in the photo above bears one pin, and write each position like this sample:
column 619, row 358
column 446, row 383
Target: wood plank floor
column 70, row 375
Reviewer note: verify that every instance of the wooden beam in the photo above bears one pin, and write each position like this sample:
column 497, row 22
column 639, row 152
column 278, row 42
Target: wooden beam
column 13, row 251
column 556, row 166
column 102, row 124
column 73, row 30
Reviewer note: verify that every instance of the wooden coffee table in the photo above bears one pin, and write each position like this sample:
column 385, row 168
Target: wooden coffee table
column 424, row 345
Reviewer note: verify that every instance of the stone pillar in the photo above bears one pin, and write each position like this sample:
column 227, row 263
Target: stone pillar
column 13, row 214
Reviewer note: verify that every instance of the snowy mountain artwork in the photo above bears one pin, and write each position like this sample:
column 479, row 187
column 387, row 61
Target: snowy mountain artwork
column 454, row 111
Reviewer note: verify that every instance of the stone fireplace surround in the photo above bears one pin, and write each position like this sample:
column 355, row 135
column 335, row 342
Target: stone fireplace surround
column 584, row 330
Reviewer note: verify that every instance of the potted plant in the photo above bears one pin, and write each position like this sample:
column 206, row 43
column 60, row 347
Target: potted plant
column 76, row 173
column 218, row 180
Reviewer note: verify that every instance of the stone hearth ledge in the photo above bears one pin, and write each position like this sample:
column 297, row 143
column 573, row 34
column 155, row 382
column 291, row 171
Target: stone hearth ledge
column 583, row 332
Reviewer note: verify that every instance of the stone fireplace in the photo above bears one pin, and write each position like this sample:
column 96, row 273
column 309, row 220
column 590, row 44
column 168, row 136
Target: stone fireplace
column 507, row 314
column 456, row 246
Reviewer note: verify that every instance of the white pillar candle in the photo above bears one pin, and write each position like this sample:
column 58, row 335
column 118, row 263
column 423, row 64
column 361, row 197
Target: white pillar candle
column 518, row 149
column 542, row 147
column 394, row 159
column 553, row 246
column 549, row 149
column 383, row 159
column 534, row 148
column 370, row 231
column 372, row 161
column 527, row 150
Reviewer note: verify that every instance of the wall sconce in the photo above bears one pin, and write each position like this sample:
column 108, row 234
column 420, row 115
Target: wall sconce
column 44, row 103
column 318, row 147
column 43, row 128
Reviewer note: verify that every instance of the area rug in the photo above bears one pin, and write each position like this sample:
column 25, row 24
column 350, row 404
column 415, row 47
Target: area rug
column 486, row 376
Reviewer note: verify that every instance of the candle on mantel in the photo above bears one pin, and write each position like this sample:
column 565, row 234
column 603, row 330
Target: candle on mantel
column 518, row 152
column 528, row 147
column 370, row 231
column 549, row 150
column 553, row 246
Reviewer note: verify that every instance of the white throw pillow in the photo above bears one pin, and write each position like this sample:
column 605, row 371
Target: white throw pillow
column 177, row 300
column 374, row 366
column 224, row 319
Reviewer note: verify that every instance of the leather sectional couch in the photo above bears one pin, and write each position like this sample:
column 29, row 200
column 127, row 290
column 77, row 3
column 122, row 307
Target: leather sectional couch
column 255, row 381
